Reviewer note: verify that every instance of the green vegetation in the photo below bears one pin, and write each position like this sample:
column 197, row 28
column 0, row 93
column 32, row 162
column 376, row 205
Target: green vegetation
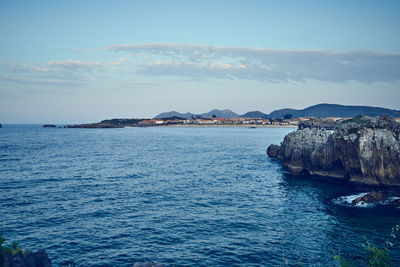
column 376, row 257
column 13, row 248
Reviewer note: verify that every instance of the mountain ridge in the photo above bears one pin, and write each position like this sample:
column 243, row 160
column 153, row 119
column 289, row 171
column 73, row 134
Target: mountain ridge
column 220, row 113
column 325, row 110
column 322, row 110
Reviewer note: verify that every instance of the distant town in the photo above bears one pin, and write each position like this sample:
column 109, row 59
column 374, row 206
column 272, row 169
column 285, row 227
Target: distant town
column 197, row 122
column 221, row 118
column 215, row 121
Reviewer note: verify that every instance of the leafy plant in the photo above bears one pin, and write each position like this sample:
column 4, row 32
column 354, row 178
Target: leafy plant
column 376, row 257
column 4, row 249
column 342, row 261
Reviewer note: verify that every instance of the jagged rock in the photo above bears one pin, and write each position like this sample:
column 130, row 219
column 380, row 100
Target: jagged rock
column 370, row 197
column 363, row 151
column 318, row 123
column 27, row 259
column 273, row 151
column 382, row 198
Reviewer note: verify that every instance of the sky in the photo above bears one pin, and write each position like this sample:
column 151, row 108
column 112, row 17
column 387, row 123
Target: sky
column 85, row 61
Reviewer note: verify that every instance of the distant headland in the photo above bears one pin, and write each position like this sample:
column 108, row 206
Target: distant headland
column 279, row 118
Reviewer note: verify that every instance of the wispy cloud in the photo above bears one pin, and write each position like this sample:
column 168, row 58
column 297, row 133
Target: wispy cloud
column 119, row 61
column 68, row 72
column 75, row 65
column 263, row 64
column 203, row 62
column 41, row 81
column 197, row 70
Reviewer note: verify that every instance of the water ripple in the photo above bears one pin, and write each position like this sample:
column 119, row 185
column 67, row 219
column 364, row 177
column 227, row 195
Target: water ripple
column 181, row 196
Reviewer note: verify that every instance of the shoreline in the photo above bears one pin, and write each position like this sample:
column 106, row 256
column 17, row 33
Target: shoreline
column 222, row 126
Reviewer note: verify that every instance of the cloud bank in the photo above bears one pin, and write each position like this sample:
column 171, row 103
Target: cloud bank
column 263, row 64
column 202, row 62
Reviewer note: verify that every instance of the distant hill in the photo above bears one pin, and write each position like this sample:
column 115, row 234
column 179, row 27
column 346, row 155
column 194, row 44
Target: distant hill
column 334, row 110
column 170, row 114
column 320, row 110
column 254, row 114
column 226, row 113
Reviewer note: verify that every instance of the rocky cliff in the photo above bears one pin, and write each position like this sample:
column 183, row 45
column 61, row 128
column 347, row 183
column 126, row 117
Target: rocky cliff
column 361, row 151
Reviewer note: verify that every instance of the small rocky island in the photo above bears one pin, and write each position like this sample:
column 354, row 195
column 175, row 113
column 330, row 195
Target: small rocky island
column 361, row 151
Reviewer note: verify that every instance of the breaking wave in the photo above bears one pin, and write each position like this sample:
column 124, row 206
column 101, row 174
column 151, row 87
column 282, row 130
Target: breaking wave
column 347, row 201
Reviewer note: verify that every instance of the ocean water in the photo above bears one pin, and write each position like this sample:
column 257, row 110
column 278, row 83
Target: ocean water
column 179, row 196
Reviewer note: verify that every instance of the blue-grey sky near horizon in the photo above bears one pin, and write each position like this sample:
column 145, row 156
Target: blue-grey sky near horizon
column 84, row 61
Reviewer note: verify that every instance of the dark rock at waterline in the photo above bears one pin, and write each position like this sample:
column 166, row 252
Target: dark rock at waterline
column 370, row 197
column 360, row 151
column 374, row 197
column 49, row 126
column 396, row 202
column 273, row 151
column 26, row 259
column 0, row 125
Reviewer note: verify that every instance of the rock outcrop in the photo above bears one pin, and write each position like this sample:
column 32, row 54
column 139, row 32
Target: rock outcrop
column 371, row 197
column 360, row 151
column 26, row 259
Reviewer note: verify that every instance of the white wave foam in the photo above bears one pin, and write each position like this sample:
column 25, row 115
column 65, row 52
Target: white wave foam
column 348, row 201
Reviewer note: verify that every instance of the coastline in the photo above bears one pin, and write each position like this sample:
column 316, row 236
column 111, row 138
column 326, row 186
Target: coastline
column 223, row 126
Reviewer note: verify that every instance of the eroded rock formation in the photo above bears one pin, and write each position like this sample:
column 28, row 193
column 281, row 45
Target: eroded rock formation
column 362, row 151
column 26, row 259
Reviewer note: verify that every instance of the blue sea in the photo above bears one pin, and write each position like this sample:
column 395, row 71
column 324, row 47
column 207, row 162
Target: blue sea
column 179, row 196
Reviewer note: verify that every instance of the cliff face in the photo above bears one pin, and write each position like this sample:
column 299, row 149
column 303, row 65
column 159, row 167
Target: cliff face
column 363, row 150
